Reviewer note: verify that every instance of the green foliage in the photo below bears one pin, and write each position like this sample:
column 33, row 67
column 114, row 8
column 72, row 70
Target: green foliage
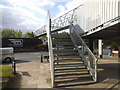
column 114, row 46
column 43, row 47
column 18, row 34
column 43, row 37
column 6, row 71
column 10, row 33
column 29, row 35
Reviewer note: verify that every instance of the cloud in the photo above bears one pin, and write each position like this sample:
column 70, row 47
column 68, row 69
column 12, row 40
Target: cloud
column 73, row 4
column 29, row 15
column 68, row 6
column 61, row 11
column 26, row 15
column 33, row 5
column 17, row 18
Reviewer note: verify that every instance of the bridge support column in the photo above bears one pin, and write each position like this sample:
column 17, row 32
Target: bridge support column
column 90, row 44
column 100, row 49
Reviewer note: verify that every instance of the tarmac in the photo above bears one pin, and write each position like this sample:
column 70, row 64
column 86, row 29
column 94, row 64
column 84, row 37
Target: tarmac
column 36, row 74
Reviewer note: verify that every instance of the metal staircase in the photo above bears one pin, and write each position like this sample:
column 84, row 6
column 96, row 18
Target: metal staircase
column 71, row 61
column 70, row 58
column 69, row 68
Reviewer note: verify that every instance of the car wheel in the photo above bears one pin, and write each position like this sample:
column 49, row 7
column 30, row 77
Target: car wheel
column 8, row 60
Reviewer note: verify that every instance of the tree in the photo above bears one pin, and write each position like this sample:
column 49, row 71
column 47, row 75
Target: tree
column 114, row 46
column 43, row 38
column 29, row 35
column 7, row 33
column 10, row 33
column 18, row 34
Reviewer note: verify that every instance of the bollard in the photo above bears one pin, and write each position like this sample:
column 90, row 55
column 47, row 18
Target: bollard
column 41, row 58
column 14, row 67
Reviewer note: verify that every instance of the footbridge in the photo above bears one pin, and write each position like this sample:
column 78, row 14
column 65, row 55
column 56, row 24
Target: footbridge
column 93, row 16
column 72, row 61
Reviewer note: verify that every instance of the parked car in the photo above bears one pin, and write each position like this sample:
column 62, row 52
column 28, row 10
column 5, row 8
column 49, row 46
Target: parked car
column 7, row 54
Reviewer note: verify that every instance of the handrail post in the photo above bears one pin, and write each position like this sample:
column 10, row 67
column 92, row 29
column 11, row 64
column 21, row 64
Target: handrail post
column 51, row 58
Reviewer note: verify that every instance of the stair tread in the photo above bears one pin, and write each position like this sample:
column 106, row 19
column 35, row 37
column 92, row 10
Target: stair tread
column 71, row 73
column 70, row 79
column 68, row 69
column 63, row 43
column 63, row 76
column 74, row 83
column 66, row 56
column 69, row 60
column 75, row 70
column 64, row 50
column 68, row 65
column 62, row 40
column 60, row 36
column 66, row 47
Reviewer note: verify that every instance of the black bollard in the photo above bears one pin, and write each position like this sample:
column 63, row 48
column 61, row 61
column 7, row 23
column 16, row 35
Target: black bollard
column 41, row 58
column 14, row 67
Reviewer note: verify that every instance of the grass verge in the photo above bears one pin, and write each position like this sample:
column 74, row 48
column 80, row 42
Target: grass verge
column 6, row 72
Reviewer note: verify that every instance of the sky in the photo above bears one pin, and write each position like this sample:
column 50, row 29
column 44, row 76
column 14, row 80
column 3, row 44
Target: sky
column 30, row 15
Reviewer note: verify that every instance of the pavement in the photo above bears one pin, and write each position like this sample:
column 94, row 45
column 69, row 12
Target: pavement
column 32, row 74
column 35, row 74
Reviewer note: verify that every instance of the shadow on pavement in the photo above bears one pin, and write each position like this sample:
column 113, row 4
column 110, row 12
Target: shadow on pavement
column 16, row 83
column 108, row 72
column 16, row 61
column 21, row 61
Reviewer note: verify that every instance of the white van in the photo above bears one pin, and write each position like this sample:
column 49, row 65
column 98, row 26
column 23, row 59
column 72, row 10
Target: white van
column 7, row 54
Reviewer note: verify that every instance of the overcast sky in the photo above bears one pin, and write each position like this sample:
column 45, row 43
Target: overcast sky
column 30, row 15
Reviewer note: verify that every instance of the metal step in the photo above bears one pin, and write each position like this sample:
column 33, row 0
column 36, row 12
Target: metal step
column 64, row 63
column 69, row 47
column 60, row 36
column 78, row 78
column 72, row 83
column 69, row 60
column 66, row 53
column 71, row 73
column 62, row 40
column 68, row 57
column 62, row 47
column 78, row 75
column 63, row 43
column 69, row 65
column 70, row 70
column 64, row 50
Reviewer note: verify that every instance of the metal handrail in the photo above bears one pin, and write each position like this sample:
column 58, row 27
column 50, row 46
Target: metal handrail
column 89, row 60
column 50, row 47
column 61, row 21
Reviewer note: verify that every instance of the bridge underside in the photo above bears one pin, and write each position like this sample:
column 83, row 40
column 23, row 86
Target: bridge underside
column 109, row 32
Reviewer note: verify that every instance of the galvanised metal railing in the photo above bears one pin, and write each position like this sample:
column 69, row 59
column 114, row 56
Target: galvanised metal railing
column 59, row 23
column 50, row 47
column 85, row 53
